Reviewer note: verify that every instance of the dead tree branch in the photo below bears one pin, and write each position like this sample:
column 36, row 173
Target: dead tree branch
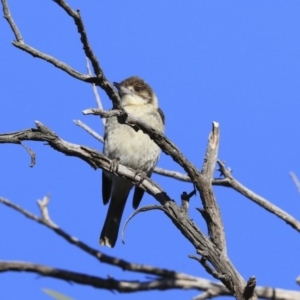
column 212, row 249
column 122, row 286
column 100, row 256
column 264, row 203
column 231, row 182
column 167, row 279
column 203, row 245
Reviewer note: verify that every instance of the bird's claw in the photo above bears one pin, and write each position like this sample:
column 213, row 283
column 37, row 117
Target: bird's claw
column 114, row 165
column 142, row 174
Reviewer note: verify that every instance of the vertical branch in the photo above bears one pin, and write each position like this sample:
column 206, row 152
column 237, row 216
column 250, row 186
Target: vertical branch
column 211, row 211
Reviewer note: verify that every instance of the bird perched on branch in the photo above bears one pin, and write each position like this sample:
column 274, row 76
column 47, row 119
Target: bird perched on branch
column 131, row 148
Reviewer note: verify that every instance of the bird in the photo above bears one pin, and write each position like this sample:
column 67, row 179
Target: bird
column 131, row 148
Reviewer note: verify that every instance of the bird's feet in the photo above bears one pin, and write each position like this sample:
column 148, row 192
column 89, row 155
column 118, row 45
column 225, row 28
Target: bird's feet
column 142, row 175
column 114, row 165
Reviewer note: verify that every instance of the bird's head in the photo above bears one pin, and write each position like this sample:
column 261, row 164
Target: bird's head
column 135, row 91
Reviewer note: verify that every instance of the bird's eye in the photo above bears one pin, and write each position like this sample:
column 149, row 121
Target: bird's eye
column 137, row 88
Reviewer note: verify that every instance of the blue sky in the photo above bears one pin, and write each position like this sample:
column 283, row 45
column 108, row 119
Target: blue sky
column 235, row 62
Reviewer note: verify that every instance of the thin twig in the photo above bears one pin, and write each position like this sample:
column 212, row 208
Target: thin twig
column 296, row 181
column 172, row 174
column 95, row 91
column 89, row 130
column 43, row 206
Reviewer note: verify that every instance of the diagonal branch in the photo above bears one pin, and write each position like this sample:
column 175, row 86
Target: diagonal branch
column 231, row 182
column 9, row 19
column 296, row 180
column 102, row 81
column 99, row 80
column 93, row 157
column 101, row 257
column 19, row 43
column 89, row 130
column 264, row 203
column 75, row 15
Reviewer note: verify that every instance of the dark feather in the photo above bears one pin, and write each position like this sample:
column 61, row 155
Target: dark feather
column 112, row 222
column 161, row 115
column 106, row 188
column 137, row 197
column 117, row 203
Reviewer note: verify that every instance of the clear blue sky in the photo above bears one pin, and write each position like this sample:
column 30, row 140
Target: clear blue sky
column 235, row 62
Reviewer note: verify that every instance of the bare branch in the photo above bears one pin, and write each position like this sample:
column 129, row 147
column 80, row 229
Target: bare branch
column 32, row 155
column 249, row 288
column 232, row 182
column 55, row 62
column 99, row 80
column 182, row 221
column 9, row 19
column 102, row 81
column 183, row 177
column 211, row 251
column 276, row 294
column 234, row 282
column 124, row 265
column 187, row 281
column 92, row 157
column 159, row 138
column 172, row 174
column 89, row 130
column 296, row 181
column 137, row 211
column 121, row 286
column 95, row 91
column 211, row 208
column 83, row 36
column 43, row 206
column 19, row 43
column 211, row 154
column 205, row 295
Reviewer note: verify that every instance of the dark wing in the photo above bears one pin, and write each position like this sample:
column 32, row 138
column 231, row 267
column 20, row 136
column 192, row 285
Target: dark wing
column 106, row 188
column 162, row 115
column 138, row 195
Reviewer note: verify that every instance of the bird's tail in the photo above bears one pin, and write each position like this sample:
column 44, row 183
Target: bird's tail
column 112, row 222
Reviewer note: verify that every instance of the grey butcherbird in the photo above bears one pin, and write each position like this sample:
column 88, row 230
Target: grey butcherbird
column 131, row 148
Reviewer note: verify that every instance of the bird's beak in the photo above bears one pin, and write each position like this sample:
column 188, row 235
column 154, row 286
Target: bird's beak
column 122, row 89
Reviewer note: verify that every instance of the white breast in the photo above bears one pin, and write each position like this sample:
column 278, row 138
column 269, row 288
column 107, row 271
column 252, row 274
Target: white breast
column 133, row 149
